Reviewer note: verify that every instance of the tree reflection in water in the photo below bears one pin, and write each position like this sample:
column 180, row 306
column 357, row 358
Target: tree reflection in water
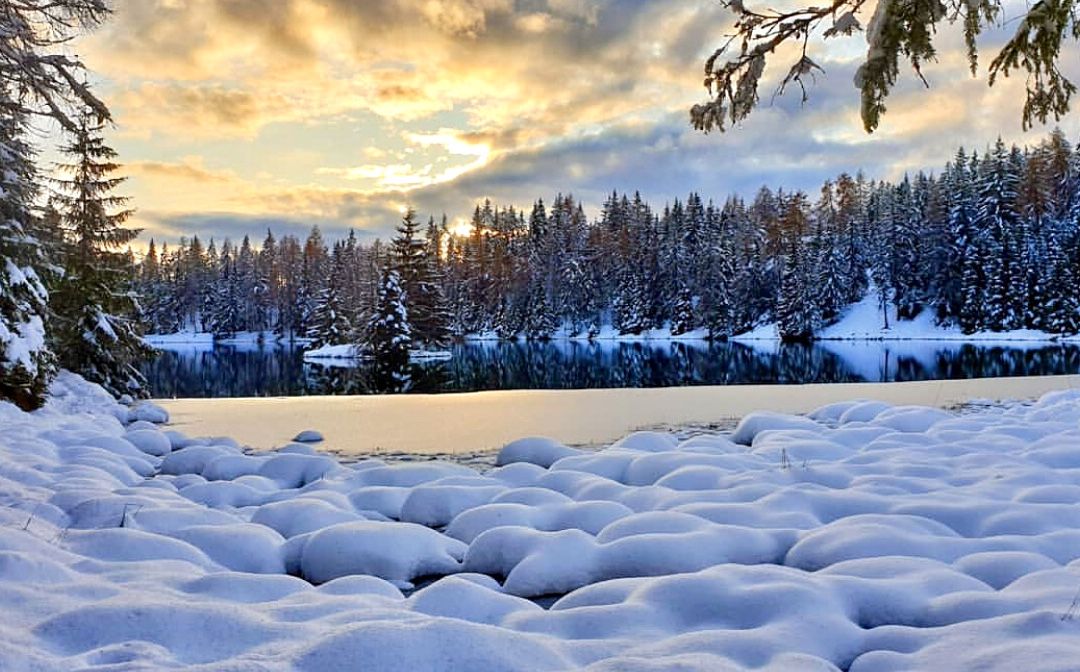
column 227, row 371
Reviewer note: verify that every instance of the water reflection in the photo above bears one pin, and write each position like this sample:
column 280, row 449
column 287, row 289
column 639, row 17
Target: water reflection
column 236, row 371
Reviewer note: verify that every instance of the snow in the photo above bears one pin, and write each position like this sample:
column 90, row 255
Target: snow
column 866, row 535
column 864, row 321
column 332, row 352
column 539, row 450
column 21, row 345
column 149, row 441
column 397, row 552
column 329, row 354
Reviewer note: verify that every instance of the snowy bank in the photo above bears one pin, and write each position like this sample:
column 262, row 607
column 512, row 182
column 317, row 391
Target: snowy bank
column 866, row 536
column 474, row 421
column 333, row 353
column 864, row 321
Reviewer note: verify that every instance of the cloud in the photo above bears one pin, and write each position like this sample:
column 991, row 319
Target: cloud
column 235, row 66
column 338, row 112
column 189, row 169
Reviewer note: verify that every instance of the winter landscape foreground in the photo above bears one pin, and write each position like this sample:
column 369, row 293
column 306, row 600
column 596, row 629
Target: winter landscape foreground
column 862, row 536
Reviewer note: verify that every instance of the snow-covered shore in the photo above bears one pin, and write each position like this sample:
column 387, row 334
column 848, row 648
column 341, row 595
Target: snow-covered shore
column 864, row 537
column 862, row 321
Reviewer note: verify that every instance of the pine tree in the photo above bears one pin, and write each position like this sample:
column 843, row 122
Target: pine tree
column 225, row 301
column 315, row 269
column 331, row 324
column 413, row 261
column 682, row 319
column 96, row 333
column 26, row 363
column 332, row 321
column 389, row 335
column 796, row 314
column 996, row 221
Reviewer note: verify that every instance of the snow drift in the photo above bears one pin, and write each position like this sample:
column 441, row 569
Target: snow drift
column 862, row 537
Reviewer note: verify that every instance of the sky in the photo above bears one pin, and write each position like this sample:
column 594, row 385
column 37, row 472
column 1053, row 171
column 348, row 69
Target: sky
column 234, row 116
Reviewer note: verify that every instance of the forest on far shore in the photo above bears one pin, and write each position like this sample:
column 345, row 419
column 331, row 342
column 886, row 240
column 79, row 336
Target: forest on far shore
column 991, row 243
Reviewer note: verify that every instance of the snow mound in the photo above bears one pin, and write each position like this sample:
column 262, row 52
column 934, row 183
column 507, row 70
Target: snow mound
column 537, row 450
column 148, row 412
column 864, row 537
column 397, row 552
column 149, row 441
column 309, row 436
column 755, row 423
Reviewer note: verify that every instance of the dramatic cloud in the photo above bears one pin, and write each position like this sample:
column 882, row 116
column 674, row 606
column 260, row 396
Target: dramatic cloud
column 235, row 115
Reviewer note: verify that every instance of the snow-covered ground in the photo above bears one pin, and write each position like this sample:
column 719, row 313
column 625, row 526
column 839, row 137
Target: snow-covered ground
column 864, row 321
column 865, row 537
column 475, row 421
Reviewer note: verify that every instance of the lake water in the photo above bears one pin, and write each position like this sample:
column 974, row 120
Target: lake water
column 253, row 371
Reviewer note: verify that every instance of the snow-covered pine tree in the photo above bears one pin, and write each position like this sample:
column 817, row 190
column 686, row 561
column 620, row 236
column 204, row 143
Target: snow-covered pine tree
column 411, row 260
column 290, row 308
column 718, row 275
column 267, row 281
column 905, row 221
column 793, row 307
column 389, row 335
column 796, row 314
column 850, row 228
column 540, row 319
column 996, row 222
column 332, row 320
column 26, row 363
column 151, row 288
column 828, row 261
column 314, row 271
column 630, row 310
column 683, row 319
column 94, row 309
column 224, row 301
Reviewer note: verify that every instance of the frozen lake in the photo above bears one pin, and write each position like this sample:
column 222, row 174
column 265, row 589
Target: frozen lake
column 482, row 421
column 274, row 371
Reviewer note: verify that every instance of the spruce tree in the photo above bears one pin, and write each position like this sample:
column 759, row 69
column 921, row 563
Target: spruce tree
column 26, row 363
column 682, row 318
column 794, row 314
column 332, row 320
column 95, row 312
column 389, row 335
column 413, row 262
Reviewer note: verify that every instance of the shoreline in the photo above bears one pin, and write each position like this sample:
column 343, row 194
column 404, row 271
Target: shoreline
column 472, row 422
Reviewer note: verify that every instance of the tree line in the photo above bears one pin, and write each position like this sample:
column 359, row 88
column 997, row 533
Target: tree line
column 990, row 243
